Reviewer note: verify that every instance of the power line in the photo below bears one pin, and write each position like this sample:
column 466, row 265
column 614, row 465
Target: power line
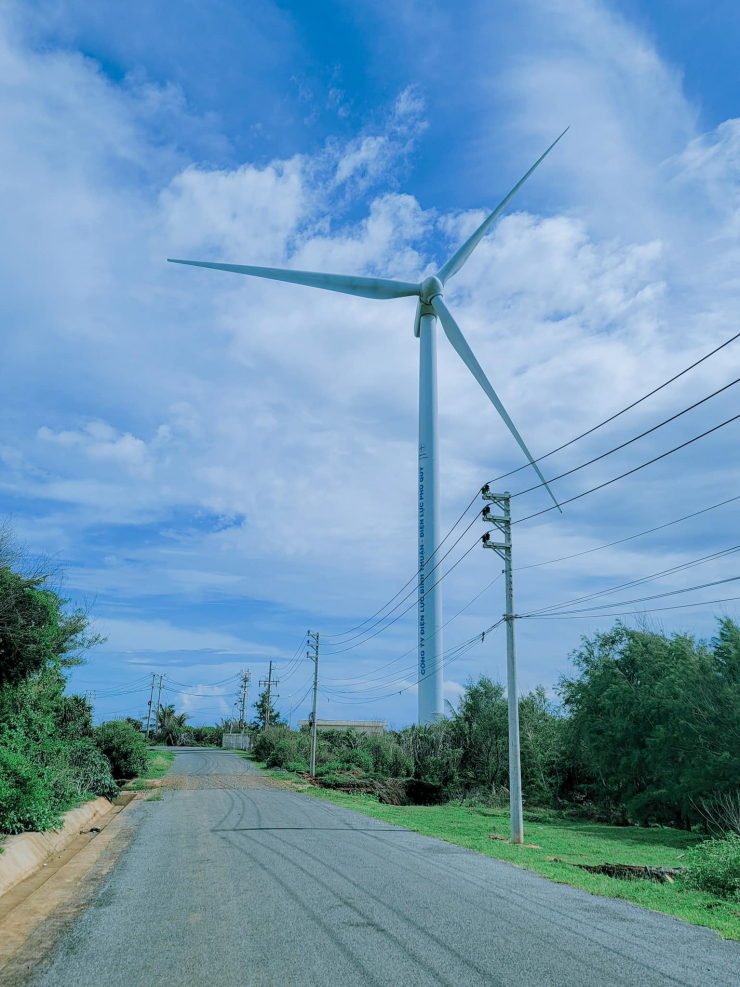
column 623, row 445
column 620, row 541
column 446, row 657
column 411, row 592
column 618, row 413
column 643, row 599
column 643, row 579
column 629, row 613
column 411, row 607
column 406, row 653
column 635, row 469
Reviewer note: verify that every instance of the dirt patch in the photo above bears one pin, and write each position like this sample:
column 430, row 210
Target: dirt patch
column 628, row 872
column 209, row 782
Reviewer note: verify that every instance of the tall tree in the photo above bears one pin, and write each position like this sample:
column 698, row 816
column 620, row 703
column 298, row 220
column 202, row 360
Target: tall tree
column 266, row 713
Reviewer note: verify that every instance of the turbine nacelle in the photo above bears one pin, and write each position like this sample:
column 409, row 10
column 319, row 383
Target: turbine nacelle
column 429, row 288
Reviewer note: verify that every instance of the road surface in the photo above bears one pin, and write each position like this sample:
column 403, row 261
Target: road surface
column 231, row 880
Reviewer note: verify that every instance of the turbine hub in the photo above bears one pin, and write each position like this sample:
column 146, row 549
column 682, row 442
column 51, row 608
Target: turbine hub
column 429, row 288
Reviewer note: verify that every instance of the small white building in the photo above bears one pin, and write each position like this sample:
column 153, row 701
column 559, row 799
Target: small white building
column 376, row 727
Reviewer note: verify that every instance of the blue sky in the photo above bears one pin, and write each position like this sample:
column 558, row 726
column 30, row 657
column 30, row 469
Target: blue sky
column 220, row 465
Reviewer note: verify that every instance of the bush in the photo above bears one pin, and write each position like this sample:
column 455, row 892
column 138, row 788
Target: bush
column 91, row 771
column 358, row 758
column 26, row 797
column 124, row 747
column 267, row 740
column 714, row 866
column 331, row 767
column 297, row 766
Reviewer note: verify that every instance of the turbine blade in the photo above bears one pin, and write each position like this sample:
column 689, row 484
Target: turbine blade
column 347, row 284
column 457, row 260
column 459, row 343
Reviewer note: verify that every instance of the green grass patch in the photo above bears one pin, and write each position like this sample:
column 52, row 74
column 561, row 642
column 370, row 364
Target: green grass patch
column 159, row 764
column 572, row 843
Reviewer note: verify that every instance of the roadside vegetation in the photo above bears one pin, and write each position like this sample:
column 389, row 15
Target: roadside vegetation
column 52, row 758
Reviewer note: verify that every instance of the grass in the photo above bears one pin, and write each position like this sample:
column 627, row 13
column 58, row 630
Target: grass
column 561, row 844
column 159, row 762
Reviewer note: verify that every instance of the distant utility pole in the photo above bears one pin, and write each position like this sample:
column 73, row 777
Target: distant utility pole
column 269, row 682
column 242, row 697
column 90, row 696
column 290, row 715
column 159, row 697
column 149, row 712
column 315, row 658
column 502, row 522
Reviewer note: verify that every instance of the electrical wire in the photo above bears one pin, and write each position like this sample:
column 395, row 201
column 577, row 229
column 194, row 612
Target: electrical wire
column 635, row 469
column 623, row 445
column 361, row 687
column 411, row 591
column 431, row 637
column 397, row 692
column 643, row 579
column 646, row 599
column 620, row 541
column 618, row 413
column 629, row 613
column 412, row 605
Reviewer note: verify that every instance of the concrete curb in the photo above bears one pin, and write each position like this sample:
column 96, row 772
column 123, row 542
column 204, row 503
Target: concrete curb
column 25, row 853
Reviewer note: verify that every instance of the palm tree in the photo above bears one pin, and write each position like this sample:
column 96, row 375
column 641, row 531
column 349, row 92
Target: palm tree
column 170, row 725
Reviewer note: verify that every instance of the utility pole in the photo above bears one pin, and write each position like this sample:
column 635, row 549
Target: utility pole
column 149, row 713
column 269, row 682
column 315, row 658
column 245, row 679
column 90, row 696
column 159, row 697
column 502, row 522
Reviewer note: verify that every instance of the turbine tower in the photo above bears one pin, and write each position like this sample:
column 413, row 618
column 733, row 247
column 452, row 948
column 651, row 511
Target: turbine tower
column 430, row 307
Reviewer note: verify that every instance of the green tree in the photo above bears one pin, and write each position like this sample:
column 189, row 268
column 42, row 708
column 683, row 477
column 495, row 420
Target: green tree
column 266, row 713
column 35, row 629
column 654, row 721
column 480, row 730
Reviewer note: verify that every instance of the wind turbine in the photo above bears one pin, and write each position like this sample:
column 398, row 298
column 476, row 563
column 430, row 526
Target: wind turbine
column 430, row 307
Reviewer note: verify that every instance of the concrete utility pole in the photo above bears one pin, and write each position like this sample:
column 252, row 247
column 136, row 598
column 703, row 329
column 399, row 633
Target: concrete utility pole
column 269, row 682
column 503, row 548
column 245, row 679
column 149, row 713
column 159, row 697
column 315, row 658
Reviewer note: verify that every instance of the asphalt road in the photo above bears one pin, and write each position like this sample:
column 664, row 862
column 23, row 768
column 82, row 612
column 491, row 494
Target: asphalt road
column 231, row 881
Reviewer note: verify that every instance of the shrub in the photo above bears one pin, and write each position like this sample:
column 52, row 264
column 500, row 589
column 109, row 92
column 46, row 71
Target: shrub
column 714, row 866
column 297, row 766
column 358, row 758
column 331, row 767
column 124, row 747
column 267, row 740
column 26, row 797
column 91, row 771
